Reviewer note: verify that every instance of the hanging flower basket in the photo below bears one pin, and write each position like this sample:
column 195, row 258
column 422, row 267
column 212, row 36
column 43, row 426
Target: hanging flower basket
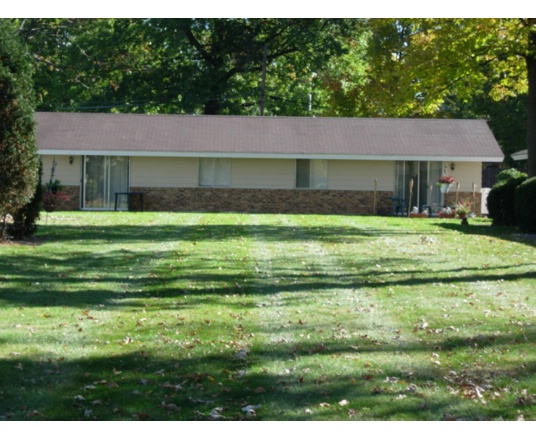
column 49, row 207
column 444, row 183
column 444, row 188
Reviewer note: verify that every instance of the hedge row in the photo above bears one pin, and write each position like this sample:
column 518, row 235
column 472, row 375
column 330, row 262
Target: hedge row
column 512, row 201
column 525, row 204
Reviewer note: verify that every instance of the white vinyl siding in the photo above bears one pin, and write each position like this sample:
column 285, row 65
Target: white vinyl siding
column 163, row 172
column 360, row 175
column 263, row 173
column 466, row 173
column 67, row 173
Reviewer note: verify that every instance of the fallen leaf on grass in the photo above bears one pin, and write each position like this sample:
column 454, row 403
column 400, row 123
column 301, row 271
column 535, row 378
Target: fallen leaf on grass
column 142, row 416
column 170, row 406
column 250, row 409
column 176, row 387
column 215, row 414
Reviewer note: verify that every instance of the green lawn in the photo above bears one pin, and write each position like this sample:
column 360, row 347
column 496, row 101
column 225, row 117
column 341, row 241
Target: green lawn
column 160, row 316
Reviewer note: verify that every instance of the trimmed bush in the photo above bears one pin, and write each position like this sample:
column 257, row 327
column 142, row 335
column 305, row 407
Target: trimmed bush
column 501, row 198
column 526, row 206
column 509, row 174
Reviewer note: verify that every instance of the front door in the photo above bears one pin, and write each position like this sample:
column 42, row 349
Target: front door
column 104, row 176
column 415, row 183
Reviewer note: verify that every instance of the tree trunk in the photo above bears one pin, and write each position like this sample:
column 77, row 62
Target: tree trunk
column 531, row 126
column 212, row 107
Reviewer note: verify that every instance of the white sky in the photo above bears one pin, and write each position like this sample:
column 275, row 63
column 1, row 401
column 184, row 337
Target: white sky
column 274, row 8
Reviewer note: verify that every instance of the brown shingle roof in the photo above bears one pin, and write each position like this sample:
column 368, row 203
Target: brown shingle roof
column 248, row 136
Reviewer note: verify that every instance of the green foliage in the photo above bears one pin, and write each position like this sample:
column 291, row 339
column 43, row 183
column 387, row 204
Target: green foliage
column 501, row 198
column 19, row 164
column 25, row 219
column 181, row 65
column 525, row 205
column 509, row 174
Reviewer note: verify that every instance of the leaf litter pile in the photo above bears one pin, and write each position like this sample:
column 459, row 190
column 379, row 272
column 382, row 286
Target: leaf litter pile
column 153, row 316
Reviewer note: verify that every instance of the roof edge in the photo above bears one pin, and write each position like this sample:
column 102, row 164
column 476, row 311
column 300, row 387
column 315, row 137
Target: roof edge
column 266, row 155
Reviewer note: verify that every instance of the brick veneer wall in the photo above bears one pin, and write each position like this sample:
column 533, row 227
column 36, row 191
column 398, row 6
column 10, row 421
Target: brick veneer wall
column 265, row 200
column 74, row 198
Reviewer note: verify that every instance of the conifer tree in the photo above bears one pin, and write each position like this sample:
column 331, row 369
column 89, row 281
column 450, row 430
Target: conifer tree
column 19, row 163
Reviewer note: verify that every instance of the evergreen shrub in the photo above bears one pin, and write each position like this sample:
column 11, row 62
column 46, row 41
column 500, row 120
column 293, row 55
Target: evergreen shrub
column 525, row 205
column 501, row 198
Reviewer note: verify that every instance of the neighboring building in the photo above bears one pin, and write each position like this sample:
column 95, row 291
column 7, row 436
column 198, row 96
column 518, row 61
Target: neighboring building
column 262, row 164
column 521, row 155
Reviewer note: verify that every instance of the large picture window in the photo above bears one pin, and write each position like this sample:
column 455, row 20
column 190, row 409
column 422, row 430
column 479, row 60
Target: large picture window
column 312, row 173
column 103, row 177
column 215, row 172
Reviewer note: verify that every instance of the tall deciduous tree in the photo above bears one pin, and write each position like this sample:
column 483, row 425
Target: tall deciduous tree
column 216, row 57
column 415, row 65
column 182, row 65
column 92, row 64
column 530, row 56
column 19, row 164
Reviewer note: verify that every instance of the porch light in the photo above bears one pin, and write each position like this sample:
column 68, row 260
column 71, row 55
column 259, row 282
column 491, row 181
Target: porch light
column 71, row 160
column 452, row 166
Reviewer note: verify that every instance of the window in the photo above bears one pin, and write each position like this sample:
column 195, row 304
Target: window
column 214, row 172
column 312, row 173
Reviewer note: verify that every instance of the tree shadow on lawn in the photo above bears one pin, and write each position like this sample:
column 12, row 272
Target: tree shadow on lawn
column 191, row 384
column 123, row 277
column 209, row 232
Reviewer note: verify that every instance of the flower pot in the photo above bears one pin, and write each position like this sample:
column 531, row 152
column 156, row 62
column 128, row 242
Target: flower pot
column 444, row 188
column 418, row 215
column 445, row 215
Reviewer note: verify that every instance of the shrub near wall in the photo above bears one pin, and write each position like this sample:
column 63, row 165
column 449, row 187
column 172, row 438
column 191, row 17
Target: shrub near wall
column 525, row 205
column 501, row 198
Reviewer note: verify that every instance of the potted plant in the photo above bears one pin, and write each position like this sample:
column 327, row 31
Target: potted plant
column 416, row 214
column 446, row 213
column 444, row 183
column 462, row 210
